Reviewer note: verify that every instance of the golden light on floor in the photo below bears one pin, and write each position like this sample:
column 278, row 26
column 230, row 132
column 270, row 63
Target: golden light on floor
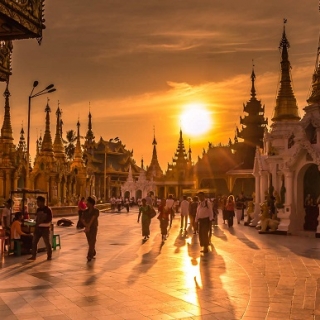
column 191, row 270
column 195, row 119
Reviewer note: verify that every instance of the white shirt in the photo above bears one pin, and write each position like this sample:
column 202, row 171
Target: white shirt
column 184, row 207
column 169, row 203
column 204, row 210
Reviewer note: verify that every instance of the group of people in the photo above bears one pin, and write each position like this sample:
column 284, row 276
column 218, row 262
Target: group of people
column 15, row 230
column 199, row 211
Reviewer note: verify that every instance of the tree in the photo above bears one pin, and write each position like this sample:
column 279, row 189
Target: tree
column 70, row 144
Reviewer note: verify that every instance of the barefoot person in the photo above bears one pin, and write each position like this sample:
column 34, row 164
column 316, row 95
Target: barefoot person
column 42, row 228
column 164, row 216
column 145, row 219
column 89, row 219
column 204, row 217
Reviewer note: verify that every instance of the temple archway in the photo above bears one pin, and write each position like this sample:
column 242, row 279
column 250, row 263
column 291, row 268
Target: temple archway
column 307, row 197
column 127, row 195
column 138, row 194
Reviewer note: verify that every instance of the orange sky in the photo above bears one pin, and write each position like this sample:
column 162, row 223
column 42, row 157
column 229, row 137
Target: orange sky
column 139, row 63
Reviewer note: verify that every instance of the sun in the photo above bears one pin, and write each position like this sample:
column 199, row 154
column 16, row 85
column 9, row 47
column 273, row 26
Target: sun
column 196, row 119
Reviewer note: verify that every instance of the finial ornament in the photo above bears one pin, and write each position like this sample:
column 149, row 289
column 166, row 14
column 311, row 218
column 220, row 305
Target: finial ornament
column 284, row 41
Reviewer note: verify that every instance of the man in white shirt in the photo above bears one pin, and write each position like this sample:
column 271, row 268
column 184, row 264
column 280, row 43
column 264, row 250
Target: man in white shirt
column 170, row 205
column 184, row 211
column 204, row 217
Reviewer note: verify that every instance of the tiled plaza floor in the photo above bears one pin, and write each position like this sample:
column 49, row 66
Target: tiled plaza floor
column 244, row 276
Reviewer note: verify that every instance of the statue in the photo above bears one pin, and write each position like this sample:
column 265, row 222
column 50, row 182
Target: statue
column 250, row 211
column 267, row 224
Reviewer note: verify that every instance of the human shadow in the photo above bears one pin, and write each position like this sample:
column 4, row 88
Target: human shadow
column 219, row 233
column 147, row 261
column 179, row 242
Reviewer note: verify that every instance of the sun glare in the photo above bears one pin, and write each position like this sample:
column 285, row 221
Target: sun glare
column 196, row 119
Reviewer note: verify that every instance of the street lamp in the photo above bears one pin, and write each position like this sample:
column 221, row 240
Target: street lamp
column 50, row 88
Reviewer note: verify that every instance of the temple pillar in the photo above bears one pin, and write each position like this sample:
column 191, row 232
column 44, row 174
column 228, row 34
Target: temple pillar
column 256, row 213
column 59, row 198
column 8, row 184
column 15, row 181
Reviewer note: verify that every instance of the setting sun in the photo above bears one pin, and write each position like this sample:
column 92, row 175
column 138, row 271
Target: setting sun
column 196, row 119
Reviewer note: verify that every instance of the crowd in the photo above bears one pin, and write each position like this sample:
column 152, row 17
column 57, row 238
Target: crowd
column 200, row 213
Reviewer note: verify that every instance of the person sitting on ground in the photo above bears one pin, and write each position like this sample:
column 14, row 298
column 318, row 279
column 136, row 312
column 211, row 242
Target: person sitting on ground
column 18, row 234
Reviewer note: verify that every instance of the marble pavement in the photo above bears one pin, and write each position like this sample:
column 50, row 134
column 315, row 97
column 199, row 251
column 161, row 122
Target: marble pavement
column 244, row 276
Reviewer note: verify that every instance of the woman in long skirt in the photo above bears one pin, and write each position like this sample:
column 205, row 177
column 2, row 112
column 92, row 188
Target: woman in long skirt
column 230, row 210
column 145, row 219
column 164, row 215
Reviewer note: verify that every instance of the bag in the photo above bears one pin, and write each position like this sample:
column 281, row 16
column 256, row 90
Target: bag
column 151, row 212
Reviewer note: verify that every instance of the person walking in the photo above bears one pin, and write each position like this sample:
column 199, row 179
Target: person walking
column 230, row 210
column 127, row 204
column 163, row 217
column 170, row 205
column 184, row 212
column 204, row 217
column 90, row 221
column 81, row 207
column 145, row 219
column 193, row 206
column 42, row 228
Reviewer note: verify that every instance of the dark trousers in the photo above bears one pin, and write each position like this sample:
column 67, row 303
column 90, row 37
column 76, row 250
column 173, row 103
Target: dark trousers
column 164, row 226
column 26, row 243
column 171, row 216
column 145, row 223
column 43, row 232
column 230, row 215
column 204, row 231
column 92, row 239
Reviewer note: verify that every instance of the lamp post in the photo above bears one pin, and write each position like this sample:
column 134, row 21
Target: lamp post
column 50, row 88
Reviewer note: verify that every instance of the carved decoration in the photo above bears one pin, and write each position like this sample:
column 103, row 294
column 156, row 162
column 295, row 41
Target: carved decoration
column 5, row 60
column 21, row 19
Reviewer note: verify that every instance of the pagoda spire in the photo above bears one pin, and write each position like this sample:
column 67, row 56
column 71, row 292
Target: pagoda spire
column 154, row 168
column 47, row 140
column 253, row 77
column 315, row 85
column 154, row 143
column 58, row 144
column 90, row 136
column 77, row 151
column 286, row 104
column 6, row 130
column 180, row 154
column 22, row 141
column 189, row 152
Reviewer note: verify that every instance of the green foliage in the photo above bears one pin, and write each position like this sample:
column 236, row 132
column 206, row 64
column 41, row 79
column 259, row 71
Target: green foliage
column 71, row 138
